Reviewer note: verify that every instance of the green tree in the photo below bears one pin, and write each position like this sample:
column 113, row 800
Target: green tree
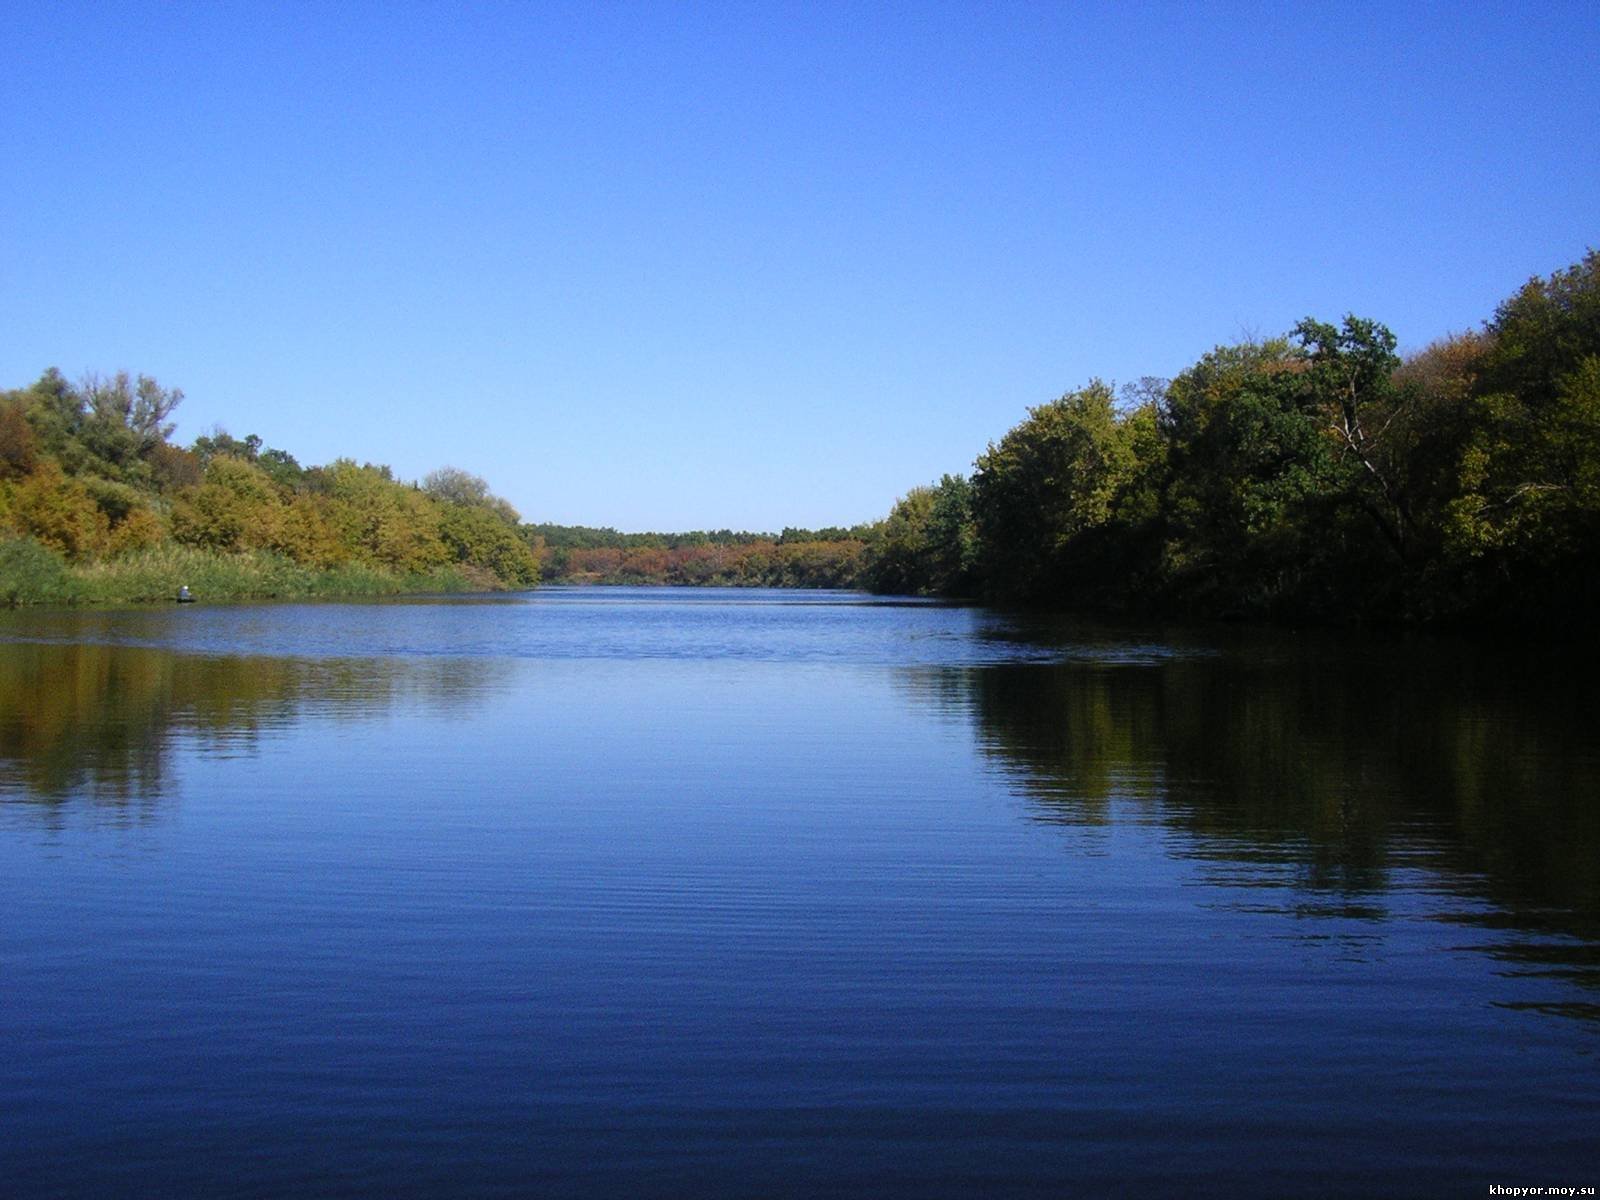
column 1522, row 532
column 451, row 485
column 478, row 537
column 900, row 560
column 384, row 522
column 952, row 538
column 1049, row 486
column 1349, row 377
column 1252, row 473
column 236, row 508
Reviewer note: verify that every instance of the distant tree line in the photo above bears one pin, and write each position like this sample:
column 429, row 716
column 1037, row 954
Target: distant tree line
column 825, row 558
column 750, row 562
column 1317, row 475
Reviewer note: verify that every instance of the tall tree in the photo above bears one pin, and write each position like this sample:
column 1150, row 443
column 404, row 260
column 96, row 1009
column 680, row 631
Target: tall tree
column 1349, row 377
column 1043, row 494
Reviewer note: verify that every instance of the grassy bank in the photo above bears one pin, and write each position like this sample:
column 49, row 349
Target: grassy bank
column 32, row 574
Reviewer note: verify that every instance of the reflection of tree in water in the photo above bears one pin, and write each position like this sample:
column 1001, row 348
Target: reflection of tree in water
column 1329, row 768
column 100, row 721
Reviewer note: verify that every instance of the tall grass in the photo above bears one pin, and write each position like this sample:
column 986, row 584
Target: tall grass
column 31, row 574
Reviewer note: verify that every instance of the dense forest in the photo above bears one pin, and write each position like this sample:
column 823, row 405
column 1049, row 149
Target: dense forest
column 1314, row 476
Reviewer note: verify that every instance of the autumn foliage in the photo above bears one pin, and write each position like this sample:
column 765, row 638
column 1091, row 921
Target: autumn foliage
column 88, row 475
column 762, row 562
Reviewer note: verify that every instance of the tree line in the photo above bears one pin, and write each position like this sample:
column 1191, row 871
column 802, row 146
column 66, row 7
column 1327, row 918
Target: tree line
column 90, row 480
column 98, row 502
column 808, row 558
column 1318, row 475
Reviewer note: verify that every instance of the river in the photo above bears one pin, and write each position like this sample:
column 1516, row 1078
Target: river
column 648, row 892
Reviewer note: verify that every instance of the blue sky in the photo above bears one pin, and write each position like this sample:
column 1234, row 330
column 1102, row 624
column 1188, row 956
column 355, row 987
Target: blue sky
column 753, row 265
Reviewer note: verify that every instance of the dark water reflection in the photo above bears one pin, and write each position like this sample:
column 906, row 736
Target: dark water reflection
column 657, row 893
column 1334, row 772
column 99, row 722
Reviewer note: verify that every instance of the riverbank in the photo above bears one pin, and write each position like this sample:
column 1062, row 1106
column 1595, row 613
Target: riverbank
column 30, row 574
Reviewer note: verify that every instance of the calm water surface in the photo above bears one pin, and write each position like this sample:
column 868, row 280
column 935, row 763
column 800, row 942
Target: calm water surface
column 662, row 893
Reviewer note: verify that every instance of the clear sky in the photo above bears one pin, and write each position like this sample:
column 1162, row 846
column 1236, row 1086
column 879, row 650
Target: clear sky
column 669, row 266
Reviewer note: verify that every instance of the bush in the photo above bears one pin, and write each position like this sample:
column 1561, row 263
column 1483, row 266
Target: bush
column 31, row 574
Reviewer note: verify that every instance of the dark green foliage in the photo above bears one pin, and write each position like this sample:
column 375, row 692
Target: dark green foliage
column 1313, row 476
column 1278, row 498
column 1521, row 533
column 832, row 533
column 277, row 465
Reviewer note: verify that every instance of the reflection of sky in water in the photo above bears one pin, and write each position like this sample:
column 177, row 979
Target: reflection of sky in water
column 625, row 623
column 613, row 873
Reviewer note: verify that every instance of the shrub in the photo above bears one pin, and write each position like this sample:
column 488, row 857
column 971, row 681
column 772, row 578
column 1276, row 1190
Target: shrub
column 31, row 574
